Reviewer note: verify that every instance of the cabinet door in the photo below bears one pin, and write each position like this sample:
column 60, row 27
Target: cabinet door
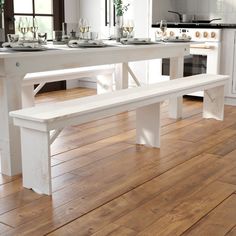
column 234, row 66
column 228, row 60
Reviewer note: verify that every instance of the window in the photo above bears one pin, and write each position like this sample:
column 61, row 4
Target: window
column 48, row 13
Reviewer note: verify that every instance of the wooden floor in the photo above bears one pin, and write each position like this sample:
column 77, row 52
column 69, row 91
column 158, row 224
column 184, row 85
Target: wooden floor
column 104, row 184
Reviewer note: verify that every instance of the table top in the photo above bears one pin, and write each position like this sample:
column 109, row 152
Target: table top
column 18, row 64
column 64, row 49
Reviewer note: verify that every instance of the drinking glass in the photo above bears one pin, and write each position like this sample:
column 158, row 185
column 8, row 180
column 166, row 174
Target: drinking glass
column 42, row 38
column 33, row 26
column 12, row 38
column 163, row 27
column 83, row 27
column 23, row 26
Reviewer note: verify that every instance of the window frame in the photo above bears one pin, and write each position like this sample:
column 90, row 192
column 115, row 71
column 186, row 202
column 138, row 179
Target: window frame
column 57, row 14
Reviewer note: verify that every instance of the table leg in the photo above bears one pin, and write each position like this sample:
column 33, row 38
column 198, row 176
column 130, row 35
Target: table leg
column 121, row 76
column 10, row 148
column 176, row 71
column 28, row 96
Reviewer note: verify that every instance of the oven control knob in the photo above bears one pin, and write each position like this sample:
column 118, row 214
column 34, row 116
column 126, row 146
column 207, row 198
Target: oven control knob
column 213, row 34
column 205, row 34
column 197, row 34
column 172, row 33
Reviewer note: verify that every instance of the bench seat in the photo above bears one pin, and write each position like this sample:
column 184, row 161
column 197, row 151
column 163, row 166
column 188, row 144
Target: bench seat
column 103, row 75
column 37, row 122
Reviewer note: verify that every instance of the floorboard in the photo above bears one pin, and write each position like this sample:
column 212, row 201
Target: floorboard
column 104, row 184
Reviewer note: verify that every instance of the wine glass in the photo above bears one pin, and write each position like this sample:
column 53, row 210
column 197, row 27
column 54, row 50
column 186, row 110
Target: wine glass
column 163, row 28
column 83, row 27
column 33, row 26
column 23, row 26
column 129, row 27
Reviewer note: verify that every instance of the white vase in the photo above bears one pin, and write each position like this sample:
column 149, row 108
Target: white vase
column 119, row 28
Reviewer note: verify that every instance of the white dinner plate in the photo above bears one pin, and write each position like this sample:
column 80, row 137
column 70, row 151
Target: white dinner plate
column 87, row 45
column 27, row 49
column 176, row 40
column 138, row 42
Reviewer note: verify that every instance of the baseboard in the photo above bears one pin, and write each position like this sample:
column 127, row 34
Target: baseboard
column 87, row 84
column 230, row 101
column 83, row 82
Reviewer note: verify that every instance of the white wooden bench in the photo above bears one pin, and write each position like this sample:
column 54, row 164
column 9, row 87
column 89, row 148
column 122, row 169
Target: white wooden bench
column 37, row 122
column 103, row 75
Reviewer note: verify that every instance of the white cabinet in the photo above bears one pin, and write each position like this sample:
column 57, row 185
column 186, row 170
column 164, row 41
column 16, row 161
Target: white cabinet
column 228, row 63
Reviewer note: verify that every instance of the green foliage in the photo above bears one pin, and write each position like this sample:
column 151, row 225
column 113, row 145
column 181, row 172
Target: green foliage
column 2, row 3
column 120, row 8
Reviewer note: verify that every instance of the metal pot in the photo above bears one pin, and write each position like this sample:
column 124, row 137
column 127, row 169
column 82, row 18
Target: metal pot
column 183, row 18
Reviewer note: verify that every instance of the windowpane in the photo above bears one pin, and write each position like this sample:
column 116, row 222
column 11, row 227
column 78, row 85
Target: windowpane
column 43, row 6
column 45, row 24
column 23, row 6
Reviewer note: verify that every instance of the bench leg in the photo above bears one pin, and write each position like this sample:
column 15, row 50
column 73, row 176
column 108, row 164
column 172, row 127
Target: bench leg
column 213, row 106
column 104, row 83
column 36, row 163
column 148, row 125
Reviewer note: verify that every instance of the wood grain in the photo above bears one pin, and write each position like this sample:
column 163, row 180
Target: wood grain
column 218, row 222
column 104, row 184
column 190, row 211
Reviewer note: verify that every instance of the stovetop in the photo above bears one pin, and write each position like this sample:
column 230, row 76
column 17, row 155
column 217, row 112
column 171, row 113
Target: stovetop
column 197, row 25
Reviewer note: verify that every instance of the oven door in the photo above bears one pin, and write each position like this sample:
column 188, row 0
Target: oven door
column 193, row 65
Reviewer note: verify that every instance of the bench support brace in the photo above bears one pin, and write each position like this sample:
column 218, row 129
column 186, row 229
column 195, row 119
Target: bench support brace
column 54, row 135
column 104, row 83
column 38, row 88
column 36, row 160
column 148, row 125
column 213, row 106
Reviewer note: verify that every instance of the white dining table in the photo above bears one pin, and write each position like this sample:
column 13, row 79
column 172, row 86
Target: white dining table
column 15, row 65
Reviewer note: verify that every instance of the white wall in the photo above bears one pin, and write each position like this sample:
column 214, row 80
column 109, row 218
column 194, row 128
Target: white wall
column 71, row 15
column 160, row 10
column 94, row 12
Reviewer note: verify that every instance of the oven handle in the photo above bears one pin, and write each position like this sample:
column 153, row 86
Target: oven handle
column 202, row 46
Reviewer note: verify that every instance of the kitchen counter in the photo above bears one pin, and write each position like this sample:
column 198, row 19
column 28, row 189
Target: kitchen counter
column 197, row 25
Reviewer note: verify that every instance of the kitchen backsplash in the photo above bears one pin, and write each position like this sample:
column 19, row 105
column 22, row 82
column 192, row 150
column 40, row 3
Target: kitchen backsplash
column 208, row 9
column 200, row 9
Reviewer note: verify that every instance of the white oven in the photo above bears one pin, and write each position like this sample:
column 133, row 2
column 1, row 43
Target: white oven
column 204, row 52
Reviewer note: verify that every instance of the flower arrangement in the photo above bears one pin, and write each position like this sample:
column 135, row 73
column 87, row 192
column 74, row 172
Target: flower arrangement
column 120, row 8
